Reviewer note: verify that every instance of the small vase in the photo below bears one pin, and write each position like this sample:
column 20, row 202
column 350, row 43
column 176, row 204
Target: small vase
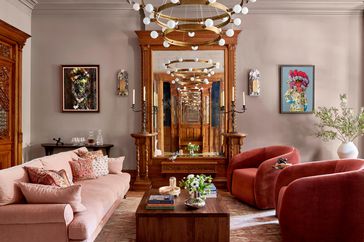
column 348, row 151
column 195, row 201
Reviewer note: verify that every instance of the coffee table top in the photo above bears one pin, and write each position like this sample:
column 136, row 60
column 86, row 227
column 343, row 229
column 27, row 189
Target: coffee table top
column 214, row 207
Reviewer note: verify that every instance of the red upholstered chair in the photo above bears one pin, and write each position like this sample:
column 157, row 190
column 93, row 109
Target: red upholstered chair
column 321, row 201
column 251, row 177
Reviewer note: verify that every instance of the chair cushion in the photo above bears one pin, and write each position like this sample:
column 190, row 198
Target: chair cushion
column 98, row 196
column 280, row 197
column 243, row 184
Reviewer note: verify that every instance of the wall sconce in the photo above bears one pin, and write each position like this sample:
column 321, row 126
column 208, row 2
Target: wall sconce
column 254, row 82
column 123, row 83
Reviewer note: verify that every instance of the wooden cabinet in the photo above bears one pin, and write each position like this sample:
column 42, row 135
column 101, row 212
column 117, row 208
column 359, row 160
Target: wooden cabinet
column 12, row 41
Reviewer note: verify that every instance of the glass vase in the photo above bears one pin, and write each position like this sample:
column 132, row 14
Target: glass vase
column 195, row 201
column 99, row 138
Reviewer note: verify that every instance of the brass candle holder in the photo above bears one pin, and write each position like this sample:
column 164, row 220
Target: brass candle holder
column 144, row 112
column 233, row 111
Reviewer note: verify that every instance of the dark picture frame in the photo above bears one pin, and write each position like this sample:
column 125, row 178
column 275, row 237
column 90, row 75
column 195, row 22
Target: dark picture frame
column 80, row 88
column 297, row 89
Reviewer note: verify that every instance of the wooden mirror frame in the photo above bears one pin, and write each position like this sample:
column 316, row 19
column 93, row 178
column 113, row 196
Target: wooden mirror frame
column 158, row 169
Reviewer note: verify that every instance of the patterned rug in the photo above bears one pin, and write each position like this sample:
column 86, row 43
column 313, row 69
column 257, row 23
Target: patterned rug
column 246, row 223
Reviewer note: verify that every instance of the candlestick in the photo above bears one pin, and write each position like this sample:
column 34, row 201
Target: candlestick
column 222, row 99
column 133, row 96
column 243, row 98
column 144, row 99
column 233, row 95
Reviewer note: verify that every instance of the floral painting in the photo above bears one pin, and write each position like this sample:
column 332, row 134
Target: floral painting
column 80, row 85
column 297, row 89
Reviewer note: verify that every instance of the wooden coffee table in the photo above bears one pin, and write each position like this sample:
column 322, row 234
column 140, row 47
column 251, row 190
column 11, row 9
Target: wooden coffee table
column 210, row 224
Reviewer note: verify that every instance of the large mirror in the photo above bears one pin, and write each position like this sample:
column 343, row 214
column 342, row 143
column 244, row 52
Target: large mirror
column 188, row 91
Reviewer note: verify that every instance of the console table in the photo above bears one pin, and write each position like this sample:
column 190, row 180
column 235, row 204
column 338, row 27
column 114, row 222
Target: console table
column 49, row 147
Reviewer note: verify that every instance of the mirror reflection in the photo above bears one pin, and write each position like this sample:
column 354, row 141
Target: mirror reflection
column 188, row 89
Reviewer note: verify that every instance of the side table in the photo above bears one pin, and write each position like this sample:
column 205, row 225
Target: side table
column 50, row 147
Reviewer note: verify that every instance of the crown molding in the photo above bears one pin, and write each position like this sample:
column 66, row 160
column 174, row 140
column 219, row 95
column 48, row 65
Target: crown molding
column 308, row 7
column 29, row 3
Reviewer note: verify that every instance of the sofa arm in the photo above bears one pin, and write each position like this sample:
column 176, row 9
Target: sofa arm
column 291, row 173
column 35, row 214
column 324, row 208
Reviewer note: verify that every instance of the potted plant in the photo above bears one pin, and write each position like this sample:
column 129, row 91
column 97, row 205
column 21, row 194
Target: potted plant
column 198, row 188
column 342, row 124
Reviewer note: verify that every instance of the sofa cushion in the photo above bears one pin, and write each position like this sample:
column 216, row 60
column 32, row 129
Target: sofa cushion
column 44, row 194
column 82, row 169
column 9, row 191
column 116, row 165
column 100, row 166
column 60, row 161
column 47, row 177
column 243, row 184
column 98, row 196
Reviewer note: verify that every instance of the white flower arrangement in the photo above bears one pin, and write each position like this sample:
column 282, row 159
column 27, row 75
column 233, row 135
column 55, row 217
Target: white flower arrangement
column 198, row 183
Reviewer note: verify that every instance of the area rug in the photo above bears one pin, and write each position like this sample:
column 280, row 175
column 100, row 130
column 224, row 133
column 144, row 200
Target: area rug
column 247, row 224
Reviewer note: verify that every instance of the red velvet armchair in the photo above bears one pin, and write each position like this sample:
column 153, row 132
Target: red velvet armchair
column 321, row 201
column 251, row 176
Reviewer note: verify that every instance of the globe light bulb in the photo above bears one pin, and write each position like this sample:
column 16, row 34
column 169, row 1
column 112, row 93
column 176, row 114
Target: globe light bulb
column 136, row 6
column 209, row 75
column 206, row 81
column 191, row 34
column 166, row 44
column 205, row 70
column 210, row 61
column 192, row 78
column 151, row 16
column 174, row 1
column 245, row 10
column 252, row 1
column 237, row 22
column 149, row 8
column 194, row 47
column 154, row 34
column 171, row 24
column 237, row 8
column 173, row 82
column 196, row 59
column 212, row 73
column 212, row 1
column 146, row 21
column 230, row 32
column 225, row 19
column 222, row 42
column 168, row 72
column 209, row 22
column 190, row 69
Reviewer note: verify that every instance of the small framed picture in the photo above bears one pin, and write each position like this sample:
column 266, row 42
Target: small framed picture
column 297, row 88
column 80, row 88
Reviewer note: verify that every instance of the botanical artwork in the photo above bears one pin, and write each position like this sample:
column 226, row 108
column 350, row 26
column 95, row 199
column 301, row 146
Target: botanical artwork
column 123, row 83
column 80, row 88
column 297, row 89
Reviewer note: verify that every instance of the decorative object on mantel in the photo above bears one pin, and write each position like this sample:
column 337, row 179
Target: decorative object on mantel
column 342, row 124
column 80, row 88
column 58, row 141
column 254, row 82
column 281, row 164
column 233, row 111
column 297, row 88
column 198, row 187
column 192, row 148
column 182, row 25
column 123, row 83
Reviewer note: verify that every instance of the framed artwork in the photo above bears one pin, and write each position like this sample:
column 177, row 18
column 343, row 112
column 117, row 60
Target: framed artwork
column 297, row 88
column 80, row 88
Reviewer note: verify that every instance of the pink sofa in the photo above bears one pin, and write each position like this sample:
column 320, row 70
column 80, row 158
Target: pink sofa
column 20, row 222
column 251, row 176
column 321, row 201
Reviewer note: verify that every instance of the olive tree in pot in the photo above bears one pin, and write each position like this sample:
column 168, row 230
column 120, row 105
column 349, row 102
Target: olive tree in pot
column 342, row 124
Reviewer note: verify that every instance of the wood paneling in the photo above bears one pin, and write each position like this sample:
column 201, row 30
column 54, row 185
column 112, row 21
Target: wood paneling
column 12, row 41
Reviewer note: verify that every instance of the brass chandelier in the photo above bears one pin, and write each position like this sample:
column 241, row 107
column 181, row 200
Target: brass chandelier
column 213, row 19
column 191, row 75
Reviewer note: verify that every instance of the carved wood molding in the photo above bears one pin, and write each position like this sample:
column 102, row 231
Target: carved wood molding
column 309, row 7
column 29, row 3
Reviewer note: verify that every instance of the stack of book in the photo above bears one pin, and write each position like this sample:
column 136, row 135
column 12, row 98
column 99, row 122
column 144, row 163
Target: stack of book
column 211, row 191
column 161, row 202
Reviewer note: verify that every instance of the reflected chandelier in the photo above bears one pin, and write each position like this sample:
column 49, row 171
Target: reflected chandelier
column 180, row 26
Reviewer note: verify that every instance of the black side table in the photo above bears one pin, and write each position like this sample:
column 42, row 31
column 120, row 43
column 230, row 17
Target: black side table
column 49, row 147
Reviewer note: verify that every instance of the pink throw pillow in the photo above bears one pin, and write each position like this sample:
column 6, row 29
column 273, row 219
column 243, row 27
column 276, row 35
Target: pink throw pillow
column 47, row 177
column 82, row 169
column 116, row 165
column 44, row 194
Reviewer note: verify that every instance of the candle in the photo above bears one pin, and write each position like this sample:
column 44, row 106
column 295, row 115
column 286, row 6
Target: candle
column 133, row 96
column 243, row 98
column 155, row 99
column 233, row 95
column 144, row 99
column 222, row 99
